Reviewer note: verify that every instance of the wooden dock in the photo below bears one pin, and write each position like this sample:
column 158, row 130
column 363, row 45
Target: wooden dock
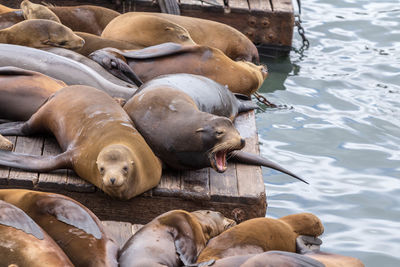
column 268, row 23
column 238, row 193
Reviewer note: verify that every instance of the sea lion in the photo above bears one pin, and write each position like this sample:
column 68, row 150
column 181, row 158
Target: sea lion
column 168, row 58
column 40, row 33
column 69, row 71
column 22, row 92
column 144, row 31
column 94, row 42
column 36, row 11
column 5, row 144
column 173, row 237
column 10, row 18
column 5, row 9
column 262, row 234
column 98, row 139
column 78, row 232
column 90, row 63
column 24, row 243
column 187, row 121
column 85, row 18
column 204, row 32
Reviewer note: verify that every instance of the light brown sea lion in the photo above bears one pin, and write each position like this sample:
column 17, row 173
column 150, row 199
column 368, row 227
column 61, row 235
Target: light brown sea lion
column 40, row 33
column 94, row 42
column 203, row 32
column 10, row 18
column 22, row 92
column 169, row 58
column 144, row 31
column 262, row 234
column 98, row 139
column 173, row 238
column 78, row 232
column 24, row 243
column 5, row 9
column 5, row 144
column 335, row 260
column 85, row 18
column 36, row 11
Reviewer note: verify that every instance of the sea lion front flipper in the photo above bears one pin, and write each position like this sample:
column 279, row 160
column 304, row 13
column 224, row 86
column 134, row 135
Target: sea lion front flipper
column 70, row 213
column 252, row 159
column 164, row 49
column 35, row 163
column 185, row 246
column 16, row 218
column 19, row 128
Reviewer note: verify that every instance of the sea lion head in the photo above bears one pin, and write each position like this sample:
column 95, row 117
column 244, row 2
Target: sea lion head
column 116, row 166
column 219, row 138
column 304, row 224
column 41, row 33
column 36, row 11
column 259, row 72
column 213, row 223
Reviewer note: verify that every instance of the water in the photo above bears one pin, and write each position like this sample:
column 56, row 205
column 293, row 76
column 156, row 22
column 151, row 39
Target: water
column 341, row 130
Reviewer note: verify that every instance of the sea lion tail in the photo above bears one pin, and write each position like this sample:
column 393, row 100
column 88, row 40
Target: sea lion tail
column 252, row 159
column 34, row 163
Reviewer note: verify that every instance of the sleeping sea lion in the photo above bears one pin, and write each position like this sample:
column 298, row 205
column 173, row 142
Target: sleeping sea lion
column 85, row 18
column 187, row 121
column 169, row 58
column 22, row 92
column 98, row 139
column 203, row 32
column 36, row 11
column 10, row 18
column 78, row 232
column 173, row 238
column 144, row 31
column 262, row 234
column 5, row 144
column 69, row 71
column 40, row 33
column 24, row 243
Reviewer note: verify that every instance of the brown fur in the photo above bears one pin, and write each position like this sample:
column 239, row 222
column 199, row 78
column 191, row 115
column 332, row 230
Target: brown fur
column 146, row 31
column 40, row 33
column 36, row 11
column 335, row 260
column 210, row 33
column 10, row 18
column 5, row 9
column 74, row 238
column 262, row 234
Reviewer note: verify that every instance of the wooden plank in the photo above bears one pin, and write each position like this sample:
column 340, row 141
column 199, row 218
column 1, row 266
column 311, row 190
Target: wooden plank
column 239, row 4
column 56, row 179
column 27, row 145
column 119, row 231
column 196, row 184
column 224, row 186
column 5, row 171
column 250, row 183
column 260, row 5
column 170, row 183
column 77, row 184
column 282, row 6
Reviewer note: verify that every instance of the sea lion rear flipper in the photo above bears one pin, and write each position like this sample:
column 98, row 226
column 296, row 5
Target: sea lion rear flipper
column 164, row 49
column 252, row 159
column 70, row 213
column 16, row 218
column 35, row 163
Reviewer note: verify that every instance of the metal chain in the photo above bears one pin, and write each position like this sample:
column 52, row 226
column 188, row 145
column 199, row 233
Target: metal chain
column 300, row 29
column 263, row 100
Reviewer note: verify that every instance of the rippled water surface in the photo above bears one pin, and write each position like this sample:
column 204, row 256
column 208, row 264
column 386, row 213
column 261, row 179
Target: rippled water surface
column 341, row 130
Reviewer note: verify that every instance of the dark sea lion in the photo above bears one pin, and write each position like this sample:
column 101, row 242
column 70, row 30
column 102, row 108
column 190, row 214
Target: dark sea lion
column 36, row 11
column 187, row 121
column 5, row 144
column 69, row 71
column 22, row 92
column 98, row 139
column 85, row 18
column 24, row 243
column 144, row 31
column 169, row 58
column 262, row 234
column 173, row 238
column 90, row 63
column 40, row 33
column 78, row 232
column 206, row 32
column 10, row 18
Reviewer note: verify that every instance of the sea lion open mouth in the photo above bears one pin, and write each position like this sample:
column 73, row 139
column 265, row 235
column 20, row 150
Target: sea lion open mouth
column 218, row 161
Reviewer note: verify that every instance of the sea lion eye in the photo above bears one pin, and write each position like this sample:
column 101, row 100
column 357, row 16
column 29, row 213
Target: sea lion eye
column 101, row 170
column 219, row 132
column 183, row 37
column 62, row 43
column 125, row 169
column 113, row 64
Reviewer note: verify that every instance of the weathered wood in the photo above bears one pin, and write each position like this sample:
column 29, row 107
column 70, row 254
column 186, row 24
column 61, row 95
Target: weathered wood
column 5, row 171
column 224, row 186
column 196, row 184
column 282, row 5
column 77, row 184
column 169, row 185
column 27, row 145
column 237, row 5
column 56, row 179
column 260, row 5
